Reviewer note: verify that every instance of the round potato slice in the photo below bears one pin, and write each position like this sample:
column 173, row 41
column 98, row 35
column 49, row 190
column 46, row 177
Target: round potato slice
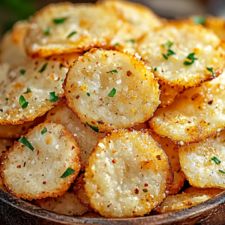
column 41, row 164
column 185, row 200
column 12, row 48
column 127, row 175
column 182, row 54
column 108, row 89
column 64, row 27
column 196, row 114
column 85, row 136
column 171, row 150
column 29, row 91
column 203, row 163
column 68, row 204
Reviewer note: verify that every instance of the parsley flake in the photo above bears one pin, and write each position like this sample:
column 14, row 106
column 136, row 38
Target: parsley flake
column 47, row 31
column 26, row 143
column 27, row 91
column 22, row 71
column 94, row 128
column 170, row 52
column 199, row 20
column 23, row 102
column 44, row 130
column 71, row 34
column 168, row 44
column 222, row 171
column 215, row 160
column 190, row 59
column 53, row 97
column 112, row 71
column 43, row 68
column 132, row 41
column 88, row 94
column 112, row 93
column 59, row 20
column 69, row 171
column 210, row 69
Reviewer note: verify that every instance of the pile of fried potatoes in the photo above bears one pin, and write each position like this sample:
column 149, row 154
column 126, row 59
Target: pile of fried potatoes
column 108, row 110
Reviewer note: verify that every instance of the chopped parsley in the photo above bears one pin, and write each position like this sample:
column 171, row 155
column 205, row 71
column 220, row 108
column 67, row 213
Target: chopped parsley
column 155, row 69
column 112, row 93
column 132, row 41
column 169, row 52
column 190, row 59
column 71, row 34
column 199, row 20
column 43, row 68
column 113, row 71
column 215, row 160
column 44, row 130
column 47, row 32
column 88, row 94
column 26, row 143
column 69, row 171
column 117, row 44
column 53, row 97
column 94, row 128
column 23, row 102
column 59, row 20
column 222, row 171
column 210, row 69
column 22, row 71
column 27, row 91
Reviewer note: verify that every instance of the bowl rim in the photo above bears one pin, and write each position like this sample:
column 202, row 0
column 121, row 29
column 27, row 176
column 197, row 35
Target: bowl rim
column 166, row 218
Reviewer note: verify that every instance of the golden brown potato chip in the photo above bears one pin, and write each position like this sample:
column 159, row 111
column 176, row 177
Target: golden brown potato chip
column 127, row 174
column 109, row 89
column 203, row 163
column 196, row 114
column 41, row 164
column 85, row 136
column 185, row 200
column 65, row 27
column 180, row 54
column 67, row 204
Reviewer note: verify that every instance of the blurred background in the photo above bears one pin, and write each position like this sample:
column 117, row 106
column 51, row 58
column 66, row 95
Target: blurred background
column 13, row 10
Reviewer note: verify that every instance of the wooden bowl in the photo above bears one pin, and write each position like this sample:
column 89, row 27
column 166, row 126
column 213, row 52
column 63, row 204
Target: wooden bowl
column 14, row 211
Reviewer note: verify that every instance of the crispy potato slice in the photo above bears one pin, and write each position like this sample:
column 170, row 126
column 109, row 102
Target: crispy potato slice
column 41, row 164
column 86, row 137
column 203, row 163
column 127, row 174
column 138, row 20
column 108, row 89
column 12, row 48
column 196, row 114
column 171, row 150
column 64, row 27
column 68, row 204
column 185, row 200
column 182, row 52
column 29, row 91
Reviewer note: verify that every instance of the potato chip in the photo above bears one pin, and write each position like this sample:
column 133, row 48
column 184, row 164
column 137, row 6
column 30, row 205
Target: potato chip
column 41, row 164
column 29, row 91
column 108, row 90
column 182, row 52
column 185, row 200
column 67, row 204
column 196, row 114
column 86, row 137
column 64, row 27
column 171, row 150
column 12, row 48
column 203, row 163
column 127, row 175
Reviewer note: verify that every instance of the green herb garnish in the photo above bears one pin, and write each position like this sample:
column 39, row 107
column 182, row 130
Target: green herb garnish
column 199, row 20
column 43, row 68
column 23, row 102
column 53, row 97
column 69, row 171
column 71, row 34
column 94, row 128
column 27, row 91
column 190, row 59
column 210, row 69
column 168, row 44
column 59, row 20
column 26, row 143
column 47, row 32
column 215, row 160
column 44, row 130
column 112, row 71
column 22, row 71
column 132, row 41
column 170, row 52
column 88, row 94
column 112, row 93
column 145, row 190
column 222, row 171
